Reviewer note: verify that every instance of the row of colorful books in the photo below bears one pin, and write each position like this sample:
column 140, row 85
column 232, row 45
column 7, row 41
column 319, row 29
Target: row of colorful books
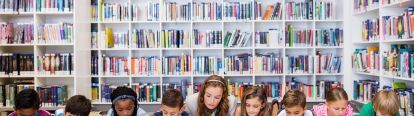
column 327, row 63
column 366, row 60
column 53, row 5
column 370, row 30
column 398, row 27
column 61, row 33
column 177, row 12
column 299, row 37
column 16, row 5
column 329, row 37
column 55, row 64
column 398, row 61
column 19, row 33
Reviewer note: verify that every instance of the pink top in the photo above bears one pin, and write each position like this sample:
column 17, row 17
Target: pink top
column 322, row 110
column 38, row 113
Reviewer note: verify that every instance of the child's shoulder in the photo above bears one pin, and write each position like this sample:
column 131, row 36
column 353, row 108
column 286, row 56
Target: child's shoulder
column 43, row 113
column 320, row 110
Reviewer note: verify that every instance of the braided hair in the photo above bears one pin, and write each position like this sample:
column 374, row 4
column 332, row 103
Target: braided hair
column 120, row 91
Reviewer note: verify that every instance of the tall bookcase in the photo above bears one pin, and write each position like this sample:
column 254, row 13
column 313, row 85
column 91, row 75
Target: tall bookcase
column 217, row 51
column 78, row 82
column 374, row 11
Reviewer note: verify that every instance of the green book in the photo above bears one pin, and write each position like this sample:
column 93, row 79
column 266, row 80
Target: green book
column 290, row 29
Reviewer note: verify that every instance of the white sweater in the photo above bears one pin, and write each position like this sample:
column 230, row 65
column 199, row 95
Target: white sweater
column 191, row 104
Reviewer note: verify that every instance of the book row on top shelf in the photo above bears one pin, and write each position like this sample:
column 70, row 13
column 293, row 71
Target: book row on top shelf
column 151, row 91
column 42, row 6
column 109, row 10
column 361, row 7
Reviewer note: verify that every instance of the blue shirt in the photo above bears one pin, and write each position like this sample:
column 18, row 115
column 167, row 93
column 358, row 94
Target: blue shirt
column 140, row 112
column 181, row 114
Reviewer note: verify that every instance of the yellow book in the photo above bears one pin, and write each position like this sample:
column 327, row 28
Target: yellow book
column 372, row 48
column 162, row 39
column 109, row 38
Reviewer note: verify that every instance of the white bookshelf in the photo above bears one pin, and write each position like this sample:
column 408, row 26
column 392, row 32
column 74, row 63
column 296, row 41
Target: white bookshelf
column 78, row 81
column 225, row 26
column 393, row 9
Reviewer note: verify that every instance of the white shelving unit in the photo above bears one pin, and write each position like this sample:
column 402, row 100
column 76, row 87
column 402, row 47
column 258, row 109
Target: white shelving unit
column 393, row 9
column 78, row 82
column 225, row 26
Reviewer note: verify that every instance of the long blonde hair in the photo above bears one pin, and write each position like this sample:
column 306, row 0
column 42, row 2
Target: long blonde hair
column 253, row 92
column 223, row 107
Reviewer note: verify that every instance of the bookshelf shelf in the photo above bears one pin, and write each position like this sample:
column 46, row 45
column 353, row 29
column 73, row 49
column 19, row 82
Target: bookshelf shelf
column 329, row 74
column 328, row 21
column 149, row 76
column 379, row 51
column 9, row 109
column 114, row 76
column 176, row 76
column 399, row 78
column 54, row 44
column 15, row 76
column 54, row 13
column 299, row 47
column 254, row 26
column 11, row 45
column 238, row 75
column 30, row 27
column 268, row 47
column 299, row 21
column 299, row 74
column 367, row 42
column 398, row 41
column 329, row 47
column 368, row 74
column 263, row 75
column 368, row 10
column 398, row 4
column 55, row 76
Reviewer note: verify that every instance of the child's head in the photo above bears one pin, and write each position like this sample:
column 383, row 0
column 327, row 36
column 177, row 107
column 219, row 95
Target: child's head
column 172, row 102
column 213, row 96
column 294, row 102
column 26, row 103
column 336, row 101
column 254, row 102
column 78, row 105
column 124, row 102
column 386, row 103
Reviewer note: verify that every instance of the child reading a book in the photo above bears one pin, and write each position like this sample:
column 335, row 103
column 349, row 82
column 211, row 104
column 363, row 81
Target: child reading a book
column 77, row 105
column 27, row 103
column 124, row 103
column 384, row 103
column 171, row 104
column 212, row 100
column 253, row 103
column 336, row 104
column 294, row 103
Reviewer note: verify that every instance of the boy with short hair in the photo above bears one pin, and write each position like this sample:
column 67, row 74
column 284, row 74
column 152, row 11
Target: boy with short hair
column 171, row 104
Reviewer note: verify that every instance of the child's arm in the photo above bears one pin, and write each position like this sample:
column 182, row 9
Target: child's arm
column 238, row 111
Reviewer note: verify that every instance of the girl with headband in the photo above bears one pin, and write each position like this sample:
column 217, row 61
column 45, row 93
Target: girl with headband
column 124, row 103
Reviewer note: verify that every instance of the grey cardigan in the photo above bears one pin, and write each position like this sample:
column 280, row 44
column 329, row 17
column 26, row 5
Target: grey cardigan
column 191, row 104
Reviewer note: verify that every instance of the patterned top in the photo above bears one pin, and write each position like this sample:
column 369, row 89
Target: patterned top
column 322, row 110
column 38, row 113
